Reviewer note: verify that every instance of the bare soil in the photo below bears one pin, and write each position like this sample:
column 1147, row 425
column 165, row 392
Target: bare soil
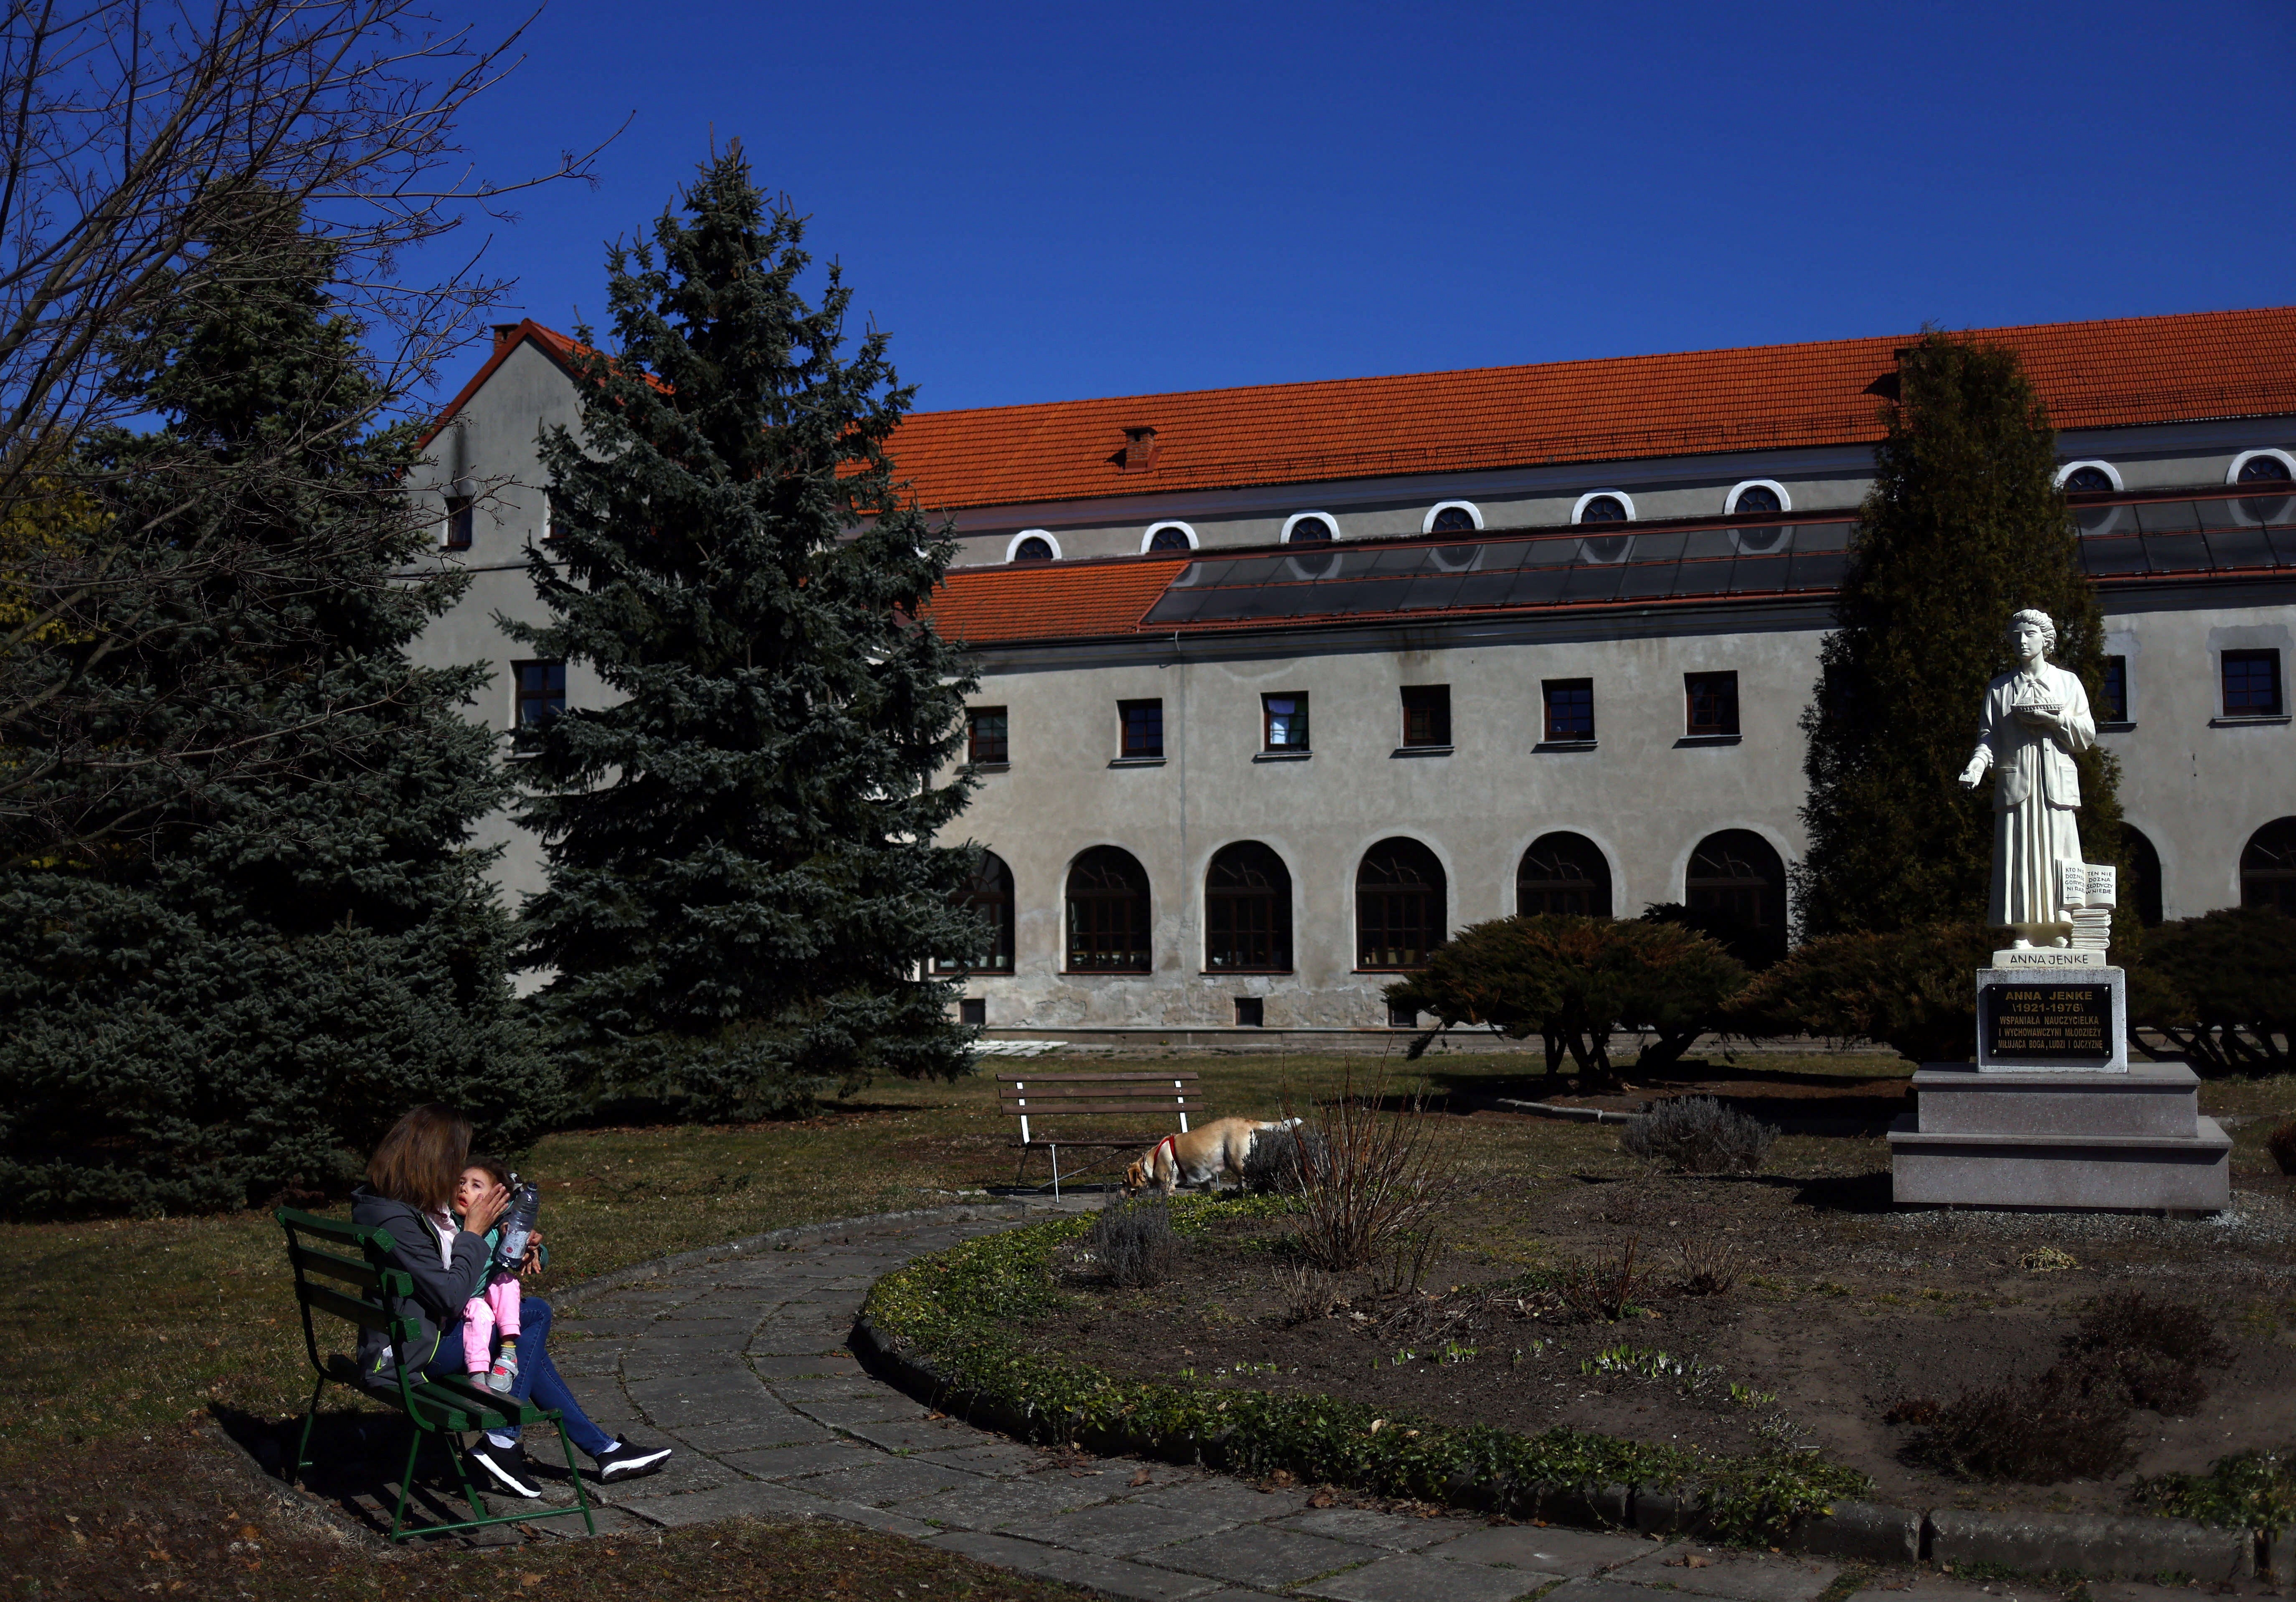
column 1842, row 1310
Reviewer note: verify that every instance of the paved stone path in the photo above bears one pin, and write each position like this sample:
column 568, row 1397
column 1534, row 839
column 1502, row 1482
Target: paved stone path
column 740, row 1359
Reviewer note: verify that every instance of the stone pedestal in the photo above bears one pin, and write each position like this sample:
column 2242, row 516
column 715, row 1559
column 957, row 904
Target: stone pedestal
column 2126, row 1140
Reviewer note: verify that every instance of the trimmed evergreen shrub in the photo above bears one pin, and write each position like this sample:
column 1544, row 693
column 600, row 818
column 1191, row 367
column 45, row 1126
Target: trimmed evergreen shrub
column 1963, row 525
column 1698, row 1135
column 2223, row 989
column 1912, row 990
column 1573, row 981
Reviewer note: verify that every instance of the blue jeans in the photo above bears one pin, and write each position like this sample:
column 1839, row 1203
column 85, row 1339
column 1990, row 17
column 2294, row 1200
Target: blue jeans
column 538, row 1379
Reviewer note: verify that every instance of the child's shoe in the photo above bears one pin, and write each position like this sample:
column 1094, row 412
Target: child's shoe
column 503, row 1373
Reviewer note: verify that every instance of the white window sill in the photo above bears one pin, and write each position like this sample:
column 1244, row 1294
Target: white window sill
column 2249, row 722
column 2117, row 729
column 1422, row 751
column 990, row 767
column 1565, row 745
column 1282, row 756
column 1694, row 740
column 1135, row 762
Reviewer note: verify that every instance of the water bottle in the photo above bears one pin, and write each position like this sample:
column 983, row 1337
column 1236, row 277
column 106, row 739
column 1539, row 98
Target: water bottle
column 517, row 1225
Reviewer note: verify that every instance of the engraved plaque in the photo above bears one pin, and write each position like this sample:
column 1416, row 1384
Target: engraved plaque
column 2044, row 1022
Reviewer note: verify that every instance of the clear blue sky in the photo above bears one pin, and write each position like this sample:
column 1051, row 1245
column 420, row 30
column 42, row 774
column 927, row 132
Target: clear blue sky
column 1041, row 202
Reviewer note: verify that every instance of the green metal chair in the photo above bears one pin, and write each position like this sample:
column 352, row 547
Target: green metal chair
column 343, row 1269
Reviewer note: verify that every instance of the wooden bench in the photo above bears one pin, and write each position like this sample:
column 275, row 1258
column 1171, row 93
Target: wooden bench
column 343, row 1269
column 1033, row 1097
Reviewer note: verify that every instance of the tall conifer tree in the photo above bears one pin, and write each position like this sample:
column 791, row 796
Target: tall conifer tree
column 744, row 882
column 1963, row 525
column 267, row 933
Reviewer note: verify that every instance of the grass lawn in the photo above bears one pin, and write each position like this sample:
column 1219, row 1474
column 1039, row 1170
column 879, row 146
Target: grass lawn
column 116, row 1329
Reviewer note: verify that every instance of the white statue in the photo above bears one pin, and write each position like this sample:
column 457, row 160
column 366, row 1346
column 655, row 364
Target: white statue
column 2035, row 719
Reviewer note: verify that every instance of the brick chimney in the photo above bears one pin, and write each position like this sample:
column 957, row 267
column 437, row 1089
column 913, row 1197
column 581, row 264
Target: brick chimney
column 505, row 335
column 1139, row 449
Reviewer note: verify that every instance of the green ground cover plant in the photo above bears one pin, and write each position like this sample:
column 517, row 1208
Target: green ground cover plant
column 955, row 1311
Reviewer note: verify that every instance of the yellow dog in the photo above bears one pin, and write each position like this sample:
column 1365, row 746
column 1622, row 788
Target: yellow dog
column 1199, row 1155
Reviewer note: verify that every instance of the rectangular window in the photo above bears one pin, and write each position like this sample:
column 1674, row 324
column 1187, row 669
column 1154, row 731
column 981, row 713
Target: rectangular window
column 1570, row 708
column 1142, row 726
column 1283, row 720
column 541, row 691
column 1427, row 714
column 1402, row 1017
column 2251, row 684
column 461, row 516
column 1713, row 704
column 2116, row 689
column 984, row 735
column 973, row 1011
column 1251, row 1012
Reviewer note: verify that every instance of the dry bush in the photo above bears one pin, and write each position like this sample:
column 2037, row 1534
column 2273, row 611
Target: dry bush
column 2281, row 1144
column 1710, row 1266
column 1698, row 1135
column 1132, row 1244
column 1600, row 1290
column 2154, row 1347
column 1368, row 1175
column 2039, row 1431
column 1309, row 1293
column 1273, row 1166
column 1407, row 1269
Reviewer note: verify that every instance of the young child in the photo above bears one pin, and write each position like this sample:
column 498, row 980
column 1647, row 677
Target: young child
column 495, row 1309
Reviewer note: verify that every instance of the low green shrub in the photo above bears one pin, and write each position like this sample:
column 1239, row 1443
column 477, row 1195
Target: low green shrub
column 2222, row 988
column 1910, row 989
column 2247, row 1491
column 955, row 1314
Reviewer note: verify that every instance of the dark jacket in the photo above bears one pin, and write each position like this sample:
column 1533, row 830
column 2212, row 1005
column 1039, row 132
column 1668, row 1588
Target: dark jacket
column 440, row 1293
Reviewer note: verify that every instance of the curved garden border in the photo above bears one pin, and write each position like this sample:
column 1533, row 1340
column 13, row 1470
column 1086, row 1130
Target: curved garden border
column 935, row 1329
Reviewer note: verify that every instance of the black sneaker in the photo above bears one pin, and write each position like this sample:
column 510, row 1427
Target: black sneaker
column 503, row 1469
column 623, row 1461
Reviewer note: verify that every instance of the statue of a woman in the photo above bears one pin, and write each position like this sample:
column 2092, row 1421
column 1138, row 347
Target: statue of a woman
column 2035, row 719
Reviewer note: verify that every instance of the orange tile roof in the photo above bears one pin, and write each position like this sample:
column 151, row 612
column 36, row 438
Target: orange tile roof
column 2101, row 374
column 984, row 605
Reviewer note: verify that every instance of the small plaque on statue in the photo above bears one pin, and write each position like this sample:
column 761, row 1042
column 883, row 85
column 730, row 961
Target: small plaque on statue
column 2031, row 1020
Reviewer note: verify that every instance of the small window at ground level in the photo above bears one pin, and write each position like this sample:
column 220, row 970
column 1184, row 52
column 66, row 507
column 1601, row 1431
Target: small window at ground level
column 973, row 1012
column 461, row 517
column 2116, row 689
column 1570, row 708
column 985, row 734
column 1427, row 714
column 541, row 692
column 2268, row 867
column 1141, row 723
column 2085, row 481
column 2251, row 684
column 1251, row 1012
column 1284, row 722
column 1713, row 704
column 1399, row 1016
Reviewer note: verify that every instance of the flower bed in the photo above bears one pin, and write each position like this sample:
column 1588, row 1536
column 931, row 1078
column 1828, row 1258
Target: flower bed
column 943, row 1324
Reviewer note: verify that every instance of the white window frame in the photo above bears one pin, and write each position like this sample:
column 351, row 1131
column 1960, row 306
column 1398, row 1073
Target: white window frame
column 1012, row 545
column 1293, row 521
column 1730, row 501
column 1155, row 529
column 2231, row 474
column 1620, row 496
column 1427, row 523
column 2102, row 465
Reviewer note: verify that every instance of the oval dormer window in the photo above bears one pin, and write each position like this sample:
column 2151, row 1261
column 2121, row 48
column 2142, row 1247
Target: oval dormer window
column 2087, row 480
column 1604, row 509
column 2263, row 470
column 1452, row 519
column 1757, row 499
column 1035, row 548
column 1309, row 530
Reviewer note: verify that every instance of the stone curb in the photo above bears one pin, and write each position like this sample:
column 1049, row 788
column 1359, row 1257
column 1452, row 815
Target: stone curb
column 1544, row 1109
column 2039, row 1543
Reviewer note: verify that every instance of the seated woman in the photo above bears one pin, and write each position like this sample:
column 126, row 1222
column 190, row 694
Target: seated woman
column 410, row 1191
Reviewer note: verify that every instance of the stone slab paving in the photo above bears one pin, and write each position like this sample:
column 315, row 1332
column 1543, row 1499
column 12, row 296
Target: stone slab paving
column 739, row 1359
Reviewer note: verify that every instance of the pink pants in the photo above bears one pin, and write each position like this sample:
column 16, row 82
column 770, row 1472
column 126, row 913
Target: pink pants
column 493, row 1308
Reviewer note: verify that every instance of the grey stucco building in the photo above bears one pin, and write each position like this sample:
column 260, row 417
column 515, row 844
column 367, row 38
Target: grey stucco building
column 1280, row 685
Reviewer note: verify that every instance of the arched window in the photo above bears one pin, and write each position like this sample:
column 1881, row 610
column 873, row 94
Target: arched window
column 1035, row 547
column 2268, row 867
column 1737, row 886
column 2086, row 479
column 2141, row 893
column 1563, row 872
column 1310, row 529
column 1170, row 537
column 2263, row 468
column 1452, row 519
column 1604, row 509
column 1108, row 913
column 990, row 897
column 1248, row 911
column 1755, row 498
column 1399, row 906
